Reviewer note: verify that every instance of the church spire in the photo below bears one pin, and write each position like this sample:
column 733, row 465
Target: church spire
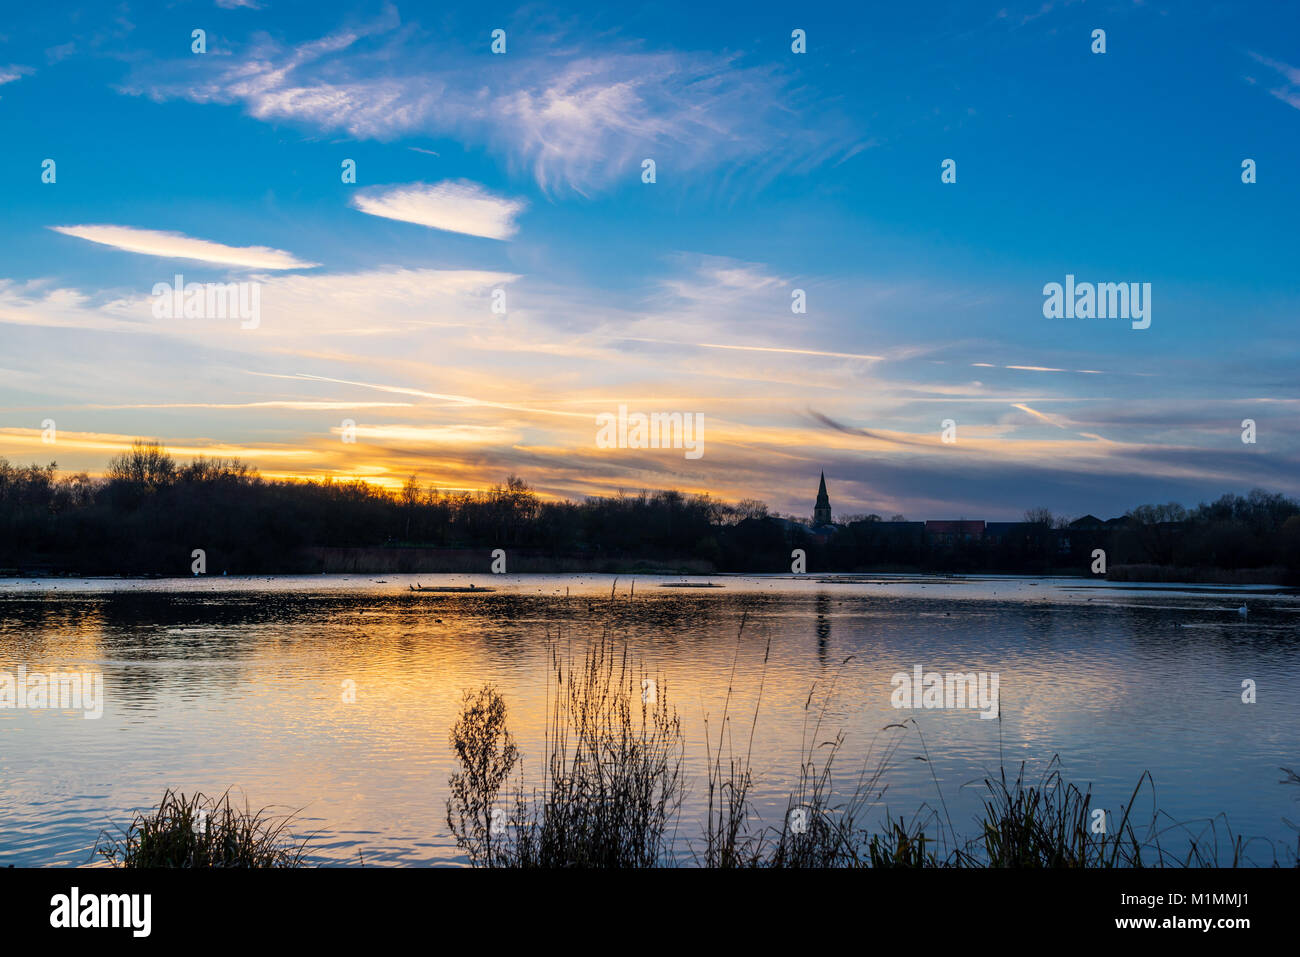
column 822, row 510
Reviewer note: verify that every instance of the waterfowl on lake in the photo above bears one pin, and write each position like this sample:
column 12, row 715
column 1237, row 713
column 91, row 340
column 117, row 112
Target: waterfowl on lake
column 451, row 588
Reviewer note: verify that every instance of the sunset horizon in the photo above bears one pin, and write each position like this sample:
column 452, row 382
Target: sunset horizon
column 824, row 282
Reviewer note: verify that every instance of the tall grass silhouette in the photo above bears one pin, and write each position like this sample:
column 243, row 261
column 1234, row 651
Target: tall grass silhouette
column 612, row 790
column 203, row 832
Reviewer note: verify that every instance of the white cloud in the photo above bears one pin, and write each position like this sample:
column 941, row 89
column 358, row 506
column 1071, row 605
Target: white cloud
column 454, row 206
column 170, row 245
column 573, row 120
column 438, row 434
column 468, row 396
column 14, row 72
column 383, row 307
column 1289, row 92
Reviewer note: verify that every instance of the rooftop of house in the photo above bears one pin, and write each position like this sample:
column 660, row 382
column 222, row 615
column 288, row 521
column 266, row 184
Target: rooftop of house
column 956, row 525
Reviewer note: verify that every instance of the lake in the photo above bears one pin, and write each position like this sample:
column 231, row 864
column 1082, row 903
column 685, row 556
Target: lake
column 235, row 682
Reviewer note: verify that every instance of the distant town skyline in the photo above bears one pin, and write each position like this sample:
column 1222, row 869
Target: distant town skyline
column 950, row 256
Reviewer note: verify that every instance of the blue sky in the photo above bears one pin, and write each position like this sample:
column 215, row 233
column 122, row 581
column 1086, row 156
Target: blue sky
column 775, row 171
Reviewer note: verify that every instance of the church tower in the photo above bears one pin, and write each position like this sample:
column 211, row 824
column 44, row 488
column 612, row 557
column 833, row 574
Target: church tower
column 822, row 510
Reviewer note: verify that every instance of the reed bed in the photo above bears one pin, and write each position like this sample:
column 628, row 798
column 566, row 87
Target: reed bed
column 612, row 790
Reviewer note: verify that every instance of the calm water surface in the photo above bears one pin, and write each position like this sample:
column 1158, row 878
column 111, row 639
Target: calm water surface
column 237, row 682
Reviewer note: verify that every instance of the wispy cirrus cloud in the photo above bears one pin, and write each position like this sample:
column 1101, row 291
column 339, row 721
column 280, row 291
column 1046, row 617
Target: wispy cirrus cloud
column 8, row 74
column 575, row 118
column 113, row 443
column 1289, row 91
column 439, row 386
column 297, row 405
column 456, row 206
column 440, row 435
column 172, row 245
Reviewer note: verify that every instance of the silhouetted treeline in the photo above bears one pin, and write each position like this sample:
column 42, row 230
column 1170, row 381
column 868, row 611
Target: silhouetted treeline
column 1258, row 531
column 148, row 514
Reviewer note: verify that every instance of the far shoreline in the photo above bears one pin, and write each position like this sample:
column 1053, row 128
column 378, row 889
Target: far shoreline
column 1121, row 577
